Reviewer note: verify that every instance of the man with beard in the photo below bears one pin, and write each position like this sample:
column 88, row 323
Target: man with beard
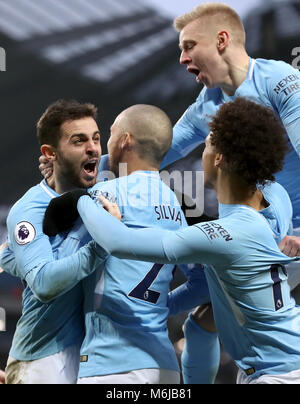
column 125, row 302
column 48, row 336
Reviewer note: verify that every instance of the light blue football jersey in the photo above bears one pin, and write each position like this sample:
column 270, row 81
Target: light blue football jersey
column 125, row 301
column 195, row 291
column 257, row 319
column 274, row 84
column 46, row 328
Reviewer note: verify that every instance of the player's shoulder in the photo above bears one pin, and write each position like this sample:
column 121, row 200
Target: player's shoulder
column 238, row 220
column 33, row 198
column 274, row 69
column 29, row 210
column 276, row 81
column 104, row 184
column 275, row 189
column 277, row 196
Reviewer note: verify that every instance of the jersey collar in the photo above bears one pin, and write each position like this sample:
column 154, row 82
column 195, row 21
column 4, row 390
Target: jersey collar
column 49, row 191
column 250, row 73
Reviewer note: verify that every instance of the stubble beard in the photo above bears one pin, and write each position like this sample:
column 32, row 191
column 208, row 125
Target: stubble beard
column 69, row 175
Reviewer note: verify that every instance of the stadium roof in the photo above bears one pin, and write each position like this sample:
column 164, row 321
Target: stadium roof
column 114, row 53
column 100, row 40
column 26, row 19
column 272, row 21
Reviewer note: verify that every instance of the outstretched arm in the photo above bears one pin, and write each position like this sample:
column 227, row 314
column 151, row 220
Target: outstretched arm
column 290, row 246
column 52, row 278
column 186, row 136
column 187, row 296
column 190, row 294
column 189, row 245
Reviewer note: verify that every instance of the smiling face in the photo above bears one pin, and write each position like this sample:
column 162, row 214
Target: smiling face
column 78, row 153
column 199, row 52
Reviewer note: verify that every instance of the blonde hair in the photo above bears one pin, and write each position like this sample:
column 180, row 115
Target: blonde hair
column 218, row 14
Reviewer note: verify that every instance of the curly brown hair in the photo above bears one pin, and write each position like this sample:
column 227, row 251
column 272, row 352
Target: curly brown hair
column 48, row 127
column 252, row 140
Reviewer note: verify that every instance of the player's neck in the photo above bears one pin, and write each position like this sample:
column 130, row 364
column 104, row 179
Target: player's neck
column 62, row 185
column 234, row 192
column 136, row 164
column 238, row 67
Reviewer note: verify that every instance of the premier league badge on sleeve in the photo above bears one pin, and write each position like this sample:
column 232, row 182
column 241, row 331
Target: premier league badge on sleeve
column 24, row 233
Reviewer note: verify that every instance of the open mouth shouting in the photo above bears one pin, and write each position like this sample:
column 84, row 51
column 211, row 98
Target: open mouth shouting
column 90, row 169
column 194, row 70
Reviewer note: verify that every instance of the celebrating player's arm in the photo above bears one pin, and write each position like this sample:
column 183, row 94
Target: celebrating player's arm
column 110, row 207
column 33, row 260
column 290, row 246
column 46, row 169
column 192, row 293
column 282, row 84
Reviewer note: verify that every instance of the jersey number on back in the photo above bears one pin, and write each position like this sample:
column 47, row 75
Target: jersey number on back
column 142, row 291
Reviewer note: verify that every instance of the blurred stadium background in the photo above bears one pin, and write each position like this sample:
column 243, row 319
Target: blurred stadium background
column 113, row 53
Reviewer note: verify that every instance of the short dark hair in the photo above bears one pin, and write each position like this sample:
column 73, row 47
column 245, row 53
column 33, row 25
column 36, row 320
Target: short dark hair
column 251, row 138
column 48, row 127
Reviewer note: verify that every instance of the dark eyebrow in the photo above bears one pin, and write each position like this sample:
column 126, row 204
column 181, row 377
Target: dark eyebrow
column 84, row 134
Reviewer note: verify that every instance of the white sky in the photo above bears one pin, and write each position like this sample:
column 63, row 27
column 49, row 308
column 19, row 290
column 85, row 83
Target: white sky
column 173, row 8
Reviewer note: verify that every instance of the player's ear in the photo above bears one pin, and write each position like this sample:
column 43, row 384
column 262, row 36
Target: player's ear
column 219, row 160
column 49, row 152
column 223, row 40
column 127, row 141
